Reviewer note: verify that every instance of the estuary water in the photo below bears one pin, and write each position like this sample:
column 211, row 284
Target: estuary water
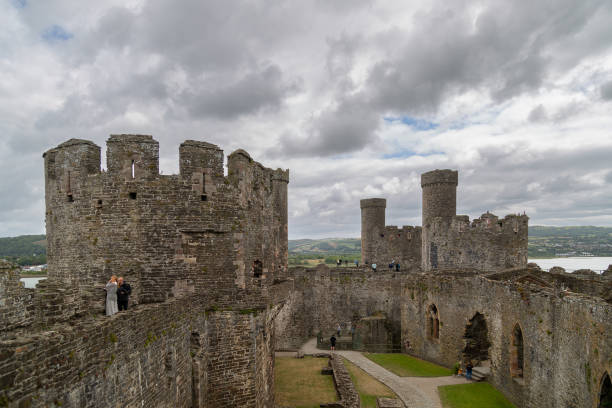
column 31, row 282
column 596, row 263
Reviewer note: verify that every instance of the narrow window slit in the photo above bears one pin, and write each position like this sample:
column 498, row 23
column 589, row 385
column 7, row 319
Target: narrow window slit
column 133, row 166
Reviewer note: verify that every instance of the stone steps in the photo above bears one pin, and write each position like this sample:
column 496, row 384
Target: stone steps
column 480, row 373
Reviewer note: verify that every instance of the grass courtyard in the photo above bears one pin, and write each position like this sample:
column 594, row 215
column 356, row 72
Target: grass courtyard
column 367, row 386
column 474, row 395
column 298, row 382
column 408, row 366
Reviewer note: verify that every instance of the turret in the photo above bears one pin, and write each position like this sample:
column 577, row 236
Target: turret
column 372, row 226
column 132, row 156
column 439, row 194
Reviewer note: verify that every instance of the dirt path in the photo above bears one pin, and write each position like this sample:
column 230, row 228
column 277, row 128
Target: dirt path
column 415, row 392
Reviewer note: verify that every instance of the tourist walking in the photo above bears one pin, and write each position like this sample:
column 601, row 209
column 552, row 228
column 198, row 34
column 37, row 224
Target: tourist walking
column 397, row 266
column 338, row 329
column 111, row 296
column 356, row 263
column 374, row 267
column 468, row 370
column 124, row 290
column 332, row 342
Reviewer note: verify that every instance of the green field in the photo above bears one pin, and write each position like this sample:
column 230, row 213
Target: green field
column 367, row 386
column 408, row 366
column 475, row 395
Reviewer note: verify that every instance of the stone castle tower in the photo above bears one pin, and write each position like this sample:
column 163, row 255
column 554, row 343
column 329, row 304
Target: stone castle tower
column 446, row 240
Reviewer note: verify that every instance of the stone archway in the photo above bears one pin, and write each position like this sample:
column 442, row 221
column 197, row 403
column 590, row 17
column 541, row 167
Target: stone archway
column 605, row 392
column 476, row 339
column 433, row 322
column 516, row 352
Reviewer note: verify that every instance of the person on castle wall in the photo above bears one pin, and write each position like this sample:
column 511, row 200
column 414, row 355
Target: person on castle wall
column 397, row 266
column 124, row 290
column 111, row 296
column 332, row 342
column 374, row 267
column 339, row 329
column 391, row 265
column 356, row 263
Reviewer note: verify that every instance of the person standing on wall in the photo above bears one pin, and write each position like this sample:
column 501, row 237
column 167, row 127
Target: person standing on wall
column 332, row 342
column 374, row 267
column 111, row 296
column 124, row 290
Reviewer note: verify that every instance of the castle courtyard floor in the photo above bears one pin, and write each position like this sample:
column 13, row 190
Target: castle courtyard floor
column 421, row 392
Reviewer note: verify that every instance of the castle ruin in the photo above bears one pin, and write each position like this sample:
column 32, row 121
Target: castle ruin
column 206, row 254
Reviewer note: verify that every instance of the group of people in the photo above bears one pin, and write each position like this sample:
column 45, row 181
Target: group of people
column 392, row 265
column 117, row 295
column 346, row 262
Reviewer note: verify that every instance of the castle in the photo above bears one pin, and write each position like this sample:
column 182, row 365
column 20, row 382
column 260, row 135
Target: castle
column 206, row 254
column 202, row 252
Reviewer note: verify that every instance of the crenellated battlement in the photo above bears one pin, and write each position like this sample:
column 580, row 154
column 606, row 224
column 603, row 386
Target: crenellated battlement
column 129, row 218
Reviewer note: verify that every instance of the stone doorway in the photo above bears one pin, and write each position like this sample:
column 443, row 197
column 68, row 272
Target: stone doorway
column 605, row 395
column 516, row 353
column 476, row 340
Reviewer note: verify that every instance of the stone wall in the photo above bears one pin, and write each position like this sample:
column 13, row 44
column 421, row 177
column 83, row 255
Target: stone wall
column 323, row 297
column 486, row 244
column 177, row 353
column 16, row 302
column 565, row 335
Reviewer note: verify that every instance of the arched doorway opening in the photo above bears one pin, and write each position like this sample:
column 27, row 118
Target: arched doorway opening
column 516, row 353
column 605, row 393
column 476, row 340
column 433, row 323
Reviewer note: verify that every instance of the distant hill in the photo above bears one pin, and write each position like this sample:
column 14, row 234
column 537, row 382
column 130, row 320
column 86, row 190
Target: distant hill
column 24, row 249
column 324, row 246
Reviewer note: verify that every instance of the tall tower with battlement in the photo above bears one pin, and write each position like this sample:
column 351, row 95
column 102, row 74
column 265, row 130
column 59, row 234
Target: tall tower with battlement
column 195, row 233
column 372, row 226
column 439, row 194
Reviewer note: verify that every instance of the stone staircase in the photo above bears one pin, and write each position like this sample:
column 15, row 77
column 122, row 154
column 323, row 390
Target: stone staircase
column 480, row 373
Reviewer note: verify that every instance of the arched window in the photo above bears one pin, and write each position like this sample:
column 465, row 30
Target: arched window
column 516, row 352
column 605, row 393
column 433, row 322
column 257, row 268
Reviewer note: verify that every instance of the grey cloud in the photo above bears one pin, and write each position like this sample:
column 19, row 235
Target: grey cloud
column 346, row 129
column 606, row 91
column 538, row 114
column 265, row 89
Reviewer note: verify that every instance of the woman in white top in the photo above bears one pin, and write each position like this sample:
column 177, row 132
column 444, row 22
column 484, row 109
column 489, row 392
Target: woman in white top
column 111, row 296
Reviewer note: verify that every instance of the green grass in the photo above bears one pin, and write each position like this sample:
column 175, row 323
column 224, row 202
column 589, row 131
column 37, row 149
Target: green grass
column 408, row 366
column 298, row 382
column 475, row 395
column 367, row 386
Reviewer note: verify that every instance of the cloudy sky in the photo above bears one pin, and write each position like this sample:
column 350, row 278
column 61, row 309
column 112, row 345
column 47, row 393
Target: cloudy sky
column 356, row 97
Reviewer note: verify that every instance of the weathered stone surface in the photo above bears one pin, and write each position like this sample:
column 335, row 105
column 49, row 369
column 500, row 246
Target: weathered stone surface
column 199, row 331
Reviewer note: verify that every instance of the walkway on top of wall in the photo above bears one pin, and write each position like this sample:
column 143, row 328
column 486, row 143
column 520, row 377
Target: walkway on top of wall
column 415, row 392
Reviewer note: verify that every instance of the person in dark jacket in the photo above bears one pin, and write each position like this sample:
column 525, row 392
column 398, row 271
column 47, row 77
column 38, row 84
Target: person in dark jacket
column 124, row 290
column 332, row 342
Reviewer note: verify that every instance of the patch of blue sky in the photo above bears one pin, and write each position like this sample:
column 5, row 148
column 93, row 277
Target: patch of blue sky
column 405, row 153
column 415, row 123
column 19, row 3
column 56, row 33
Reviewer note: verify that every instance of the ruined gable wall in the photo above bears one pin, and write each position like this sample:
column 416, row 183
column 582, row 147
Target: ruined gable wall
column 323, row 297
column 560, row 334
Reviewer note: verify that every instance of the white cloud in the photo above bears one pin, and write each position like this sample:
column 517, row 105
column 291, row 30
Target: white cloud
column 514, row 95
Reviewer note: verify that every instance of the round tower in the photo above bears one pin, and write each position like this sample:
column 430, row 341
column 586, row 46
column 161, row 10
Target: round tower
column 372, row 225
column 439, row 194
